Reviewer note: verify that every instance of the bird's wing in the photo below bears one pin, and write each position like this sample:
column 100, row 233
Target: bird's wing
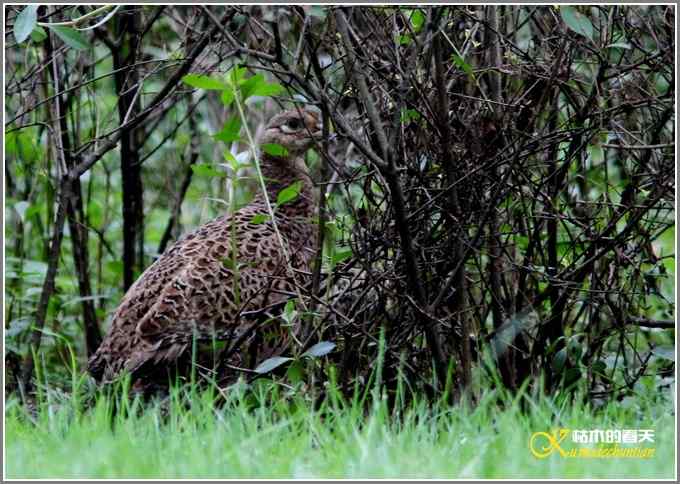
column 197, row 289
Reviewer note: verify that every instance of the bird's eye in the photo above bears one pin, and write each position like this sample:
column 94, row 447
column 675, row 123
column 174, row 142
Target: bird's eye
column 294, row 124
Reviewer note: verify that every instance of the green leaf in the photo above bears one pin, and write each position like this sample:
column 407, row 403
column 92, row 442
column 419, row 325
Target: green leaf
column 408, row 115
column 203, row 82
column 95, row 213
column 295, row 372
column 462, row 65
column 227, row 97
column 259, row 218
column 559, row 360
column 235, row 75
column 71, row 37
column 231, row 131
column 320, row 349
column 206, row 169
column 274, row 149
column 38, row 34
column 267, row 89
column 229, row 263
column 403, row 39
column 250, row 85
column 662, row 85
column 289, row 312
column 599, row 366
column 25, row 23
column 576, row 21
column 341, row 255
column 289, row 193
column 596, row 154
column 32, row 211
column 574, row 349
column 115, row 268
column 571, row 376
column 234, row 163
column 417, row 19
column 271, row 363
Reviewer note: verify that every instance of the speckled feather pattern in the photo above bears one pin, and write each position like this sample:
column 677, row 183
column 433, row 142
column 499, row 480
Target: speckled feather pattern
column 190, row 291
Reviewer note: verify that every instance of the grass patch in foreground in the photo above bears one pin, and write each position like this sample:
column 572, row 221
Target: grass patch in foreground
column 266, row 435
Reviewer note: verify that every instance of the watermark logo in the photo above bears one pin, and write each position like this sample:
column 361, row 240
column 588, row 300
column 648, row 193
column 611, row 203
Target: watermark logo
column 594, row 443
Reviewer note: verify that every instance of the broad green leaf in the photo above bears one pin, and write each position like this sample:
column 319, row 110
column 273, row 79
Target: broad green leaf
column 227, row 97
column 320, row 349
column 662, row 85
column 25, row 23
column 203, row 82
column 289, row 193
column 231, row 131
column 38, row 34
column 250, row 85
column 271, row 363
column 233, row 162
column 259, row 218
column 274, row 149
column 576, row 21
column 267, row 89
column 417, row 19
column 71, row 37
column 235, row 75
column 206, row 169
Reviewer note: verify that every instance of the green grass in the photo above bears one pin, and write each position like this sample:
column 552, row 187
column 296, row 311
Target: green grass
column 271, row 435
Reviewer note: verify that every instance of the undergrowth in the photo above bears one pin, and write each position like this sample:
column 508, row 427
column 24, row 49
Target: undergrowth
column 271, row 430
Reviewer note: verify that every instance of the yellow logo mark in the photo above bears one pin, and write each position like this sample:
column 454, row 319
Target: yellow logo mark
column 552, row 442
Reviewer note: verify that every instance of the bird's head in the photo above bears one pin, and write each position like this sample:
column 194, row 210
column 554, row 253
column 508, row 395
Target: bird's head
column 296, row 130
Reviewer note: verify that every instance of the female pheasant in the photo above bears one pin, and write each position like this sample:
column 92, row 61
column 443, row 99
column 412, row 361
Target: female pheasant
column 200, row 288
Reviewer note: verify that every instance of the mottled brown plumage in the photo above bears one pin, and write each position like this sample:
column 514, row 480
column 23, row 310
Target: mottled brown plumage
column 191, row 291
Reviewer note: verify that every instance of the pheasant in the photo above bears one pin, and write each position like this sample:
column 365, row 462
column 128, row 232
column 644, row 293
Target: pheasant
column 201, row 287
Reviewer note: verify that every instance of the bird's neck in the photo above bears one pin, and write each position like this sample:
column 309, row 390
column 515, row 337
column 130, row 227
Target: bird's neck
column 280, row 174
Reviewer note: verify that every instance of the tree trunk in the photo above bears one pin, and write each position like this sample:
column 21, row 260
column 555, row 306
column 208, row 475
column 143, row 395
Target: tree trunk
column 127, row 86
